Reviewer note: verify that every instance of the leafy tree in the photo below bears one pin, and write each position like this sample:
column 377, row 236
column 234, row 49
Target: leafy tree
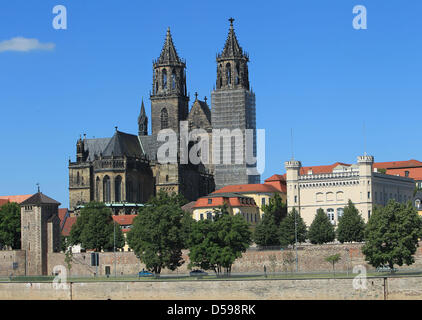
column 158, row 233
column 216, row 244
column 267, row 230
column 391, row 235
column 351, row 226
column 333, row 259
column 321, row 230
column 10, row 225
column 287, row 229
column 94, row 229
column 277, row 208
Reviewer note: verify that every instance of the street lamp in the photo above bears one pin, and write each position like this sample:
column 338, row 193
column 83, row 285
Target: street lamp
column 114, row 231
column 296, row 242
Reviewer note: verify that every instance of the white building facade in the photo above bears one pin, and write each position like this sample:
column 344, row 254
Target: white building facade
column 308, row 191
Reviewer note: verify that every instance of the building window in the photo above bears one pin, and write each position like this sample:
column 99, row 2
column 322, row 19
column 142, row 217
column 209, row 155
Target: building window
column 209, row 201
column 209, row 215
column 369, row 195
column 201, row 216
column 164, row 119
column 418, row 203
column 106, row 189
column 295, row 199
column 369, row 214
column 164, row 78
column 263, row 201
column 340, row 212
column 330, row 214
column 173, row 80
column 228, row 74
column 406, row 173
column 118, row 189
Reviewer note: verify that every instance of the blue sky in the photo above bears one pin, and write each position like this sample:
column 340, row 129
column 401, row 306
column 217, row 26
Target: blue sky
column 310, row 70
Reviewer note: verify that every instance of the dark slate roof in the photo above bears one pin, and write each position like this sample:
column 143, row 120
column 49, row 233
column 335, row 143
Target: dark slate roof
column 39, row 198
column 95, row 147
column 123, row 144
column 149, row 146
column 168, row 53
column 205, row 109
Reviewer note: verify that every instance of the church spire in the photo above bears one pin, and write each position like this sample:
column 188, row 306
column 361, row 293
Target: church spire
column 232, row 49
column 142, row 121
column 168, row 52
column 232, row 64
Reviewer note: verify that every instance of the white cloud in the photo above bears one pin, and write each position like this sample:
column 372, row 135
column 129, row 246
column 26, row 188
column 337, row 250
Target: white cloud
column 24, row 45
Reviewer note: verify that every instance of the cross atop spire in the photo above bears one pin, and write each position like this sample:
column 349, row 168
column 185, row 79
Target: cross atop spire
column 232, row 49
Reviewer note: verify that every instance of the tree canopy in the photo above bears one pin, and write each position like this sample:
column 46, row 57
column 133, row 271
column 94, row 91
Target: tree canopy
column 94, row 229
column 10, row 225
column 287, row 229
column 159, row 233
column 215, row 244
column 391, row 235
column 321, row 230
column 267, row 231
column 351, row 226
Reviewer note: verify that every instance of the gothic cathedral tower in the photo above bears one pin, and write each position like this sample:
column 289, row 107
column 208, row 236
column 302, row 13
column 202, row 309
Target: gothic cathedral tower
column 169, row 100
column 233, row 107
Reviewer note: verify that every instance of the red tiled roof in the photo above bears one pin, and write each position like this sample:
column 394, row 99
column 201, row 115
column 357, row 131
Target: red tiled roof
column 219, row 201
column 248, row 188
column 322, row 169
column 412, row 163
column 276, row 177
column 124, row 220
column 3, row 201
column 68, row 225
column 62, row 213
column 17, row 199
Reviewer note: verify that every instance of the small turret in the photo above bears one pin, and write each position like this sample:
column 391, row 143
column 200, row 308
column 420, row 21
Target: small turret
column 142, row 121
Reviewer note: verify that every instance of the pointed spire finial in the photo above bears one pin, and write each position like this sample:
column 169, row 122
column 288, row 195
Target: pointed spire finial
column 196, row 96
column 231, row 22
column 115, row 128
column 205, row 99
column 38, row 185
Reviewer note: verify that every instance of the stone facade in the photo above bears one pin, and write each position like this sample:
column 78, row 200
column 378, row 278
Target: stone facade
column 40, row 233
column 309, row 191
column 233, row 108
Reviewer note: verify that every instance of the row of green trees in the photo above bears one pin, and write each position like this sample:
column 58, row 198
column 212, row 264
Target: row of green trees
column 162, row 230
column 391, row 235
column 278, row 228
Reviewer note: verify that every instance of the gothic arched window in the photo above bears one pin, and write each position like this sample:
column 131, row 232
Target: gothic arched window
column 237, row 73
column 118, row 189
column 173, row 79
column 228, row 74
column 164, row 119
column 97, row 189
column 164, row 78
column 106, row 189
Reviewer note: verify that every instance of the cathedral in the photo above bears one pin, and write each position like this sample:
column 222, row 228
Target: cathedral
column 123, row 171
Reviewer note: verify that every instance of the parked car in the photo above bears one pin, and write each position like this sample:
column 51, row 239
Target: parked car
column 386, row 269
column 144, row 273
column 198, row 273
